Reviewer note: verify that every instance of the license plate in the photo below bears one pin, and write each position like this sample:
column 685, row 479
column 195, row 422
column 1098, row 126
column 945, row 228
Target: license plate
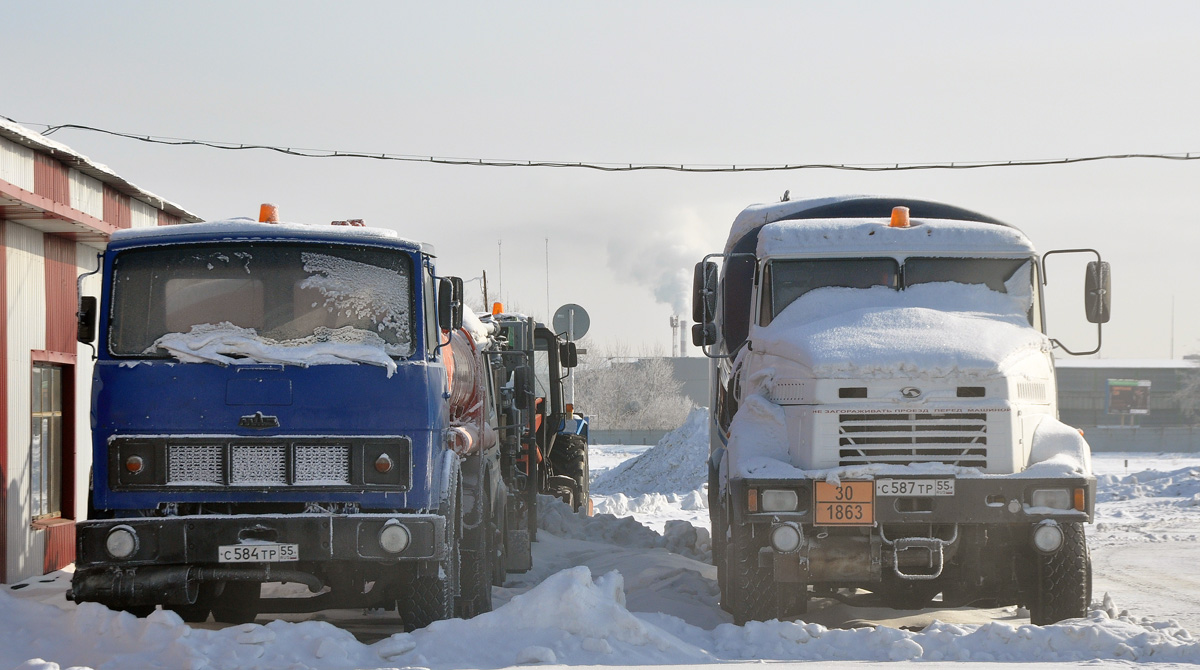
column 914, row 488
column 847, row 504
column 258, row 553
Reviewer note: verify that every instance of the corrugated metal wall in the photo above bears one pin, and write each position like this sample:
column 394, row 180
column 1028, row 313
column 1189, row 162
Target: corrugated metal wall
column 60, row 294
column 116, row 207
column 26, row 277
column 142, row 215
column 50, row 179
column 86, row 261
column 4, row 393
column 165, row 219
column 87, row 194
column 16, row 164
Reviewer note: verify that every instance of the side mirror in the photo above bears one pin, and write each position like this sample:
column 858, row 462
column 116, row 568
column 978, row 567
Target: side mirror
column 85, row 326
column 704, row 293
column 450, row 303
column 704, row 334
column 1097, row 292
column 568, row 354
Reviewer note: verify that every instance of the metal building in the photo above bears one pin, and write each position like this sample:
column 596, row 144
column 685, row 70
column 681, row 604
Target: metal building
column 57, row 210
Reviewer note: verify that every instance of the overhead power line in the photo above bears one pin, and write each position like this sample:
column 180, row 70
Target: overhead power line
column 620, row 167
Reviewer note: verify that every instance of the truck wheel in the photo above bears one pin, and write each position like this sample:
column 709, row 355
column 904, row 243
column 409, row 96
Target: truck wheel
column 499, row 556
column 427, row 598
column 238, row 602
column 477, row 557
column 1064, row 580
column 570, row 458
column 750, row 590
column 719, row 533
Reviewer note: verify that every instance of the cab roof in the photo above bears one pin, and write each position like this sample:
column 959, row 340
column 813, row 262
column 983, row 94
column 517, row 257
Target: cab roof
column 246, row 229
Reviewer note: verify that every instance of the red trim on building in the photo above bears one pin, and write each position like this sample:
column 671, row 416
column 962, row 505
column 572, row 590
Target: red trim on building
column 116, row 208
column 61, row 302
column 165, row 219
column 58, row 358
column 60, row 542
column 40, row 207
column 51, row 179
column 3, row 406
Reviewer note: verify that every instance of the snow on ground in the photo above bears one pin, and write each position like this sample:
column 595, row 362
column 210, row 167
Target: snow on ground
column 609, row 591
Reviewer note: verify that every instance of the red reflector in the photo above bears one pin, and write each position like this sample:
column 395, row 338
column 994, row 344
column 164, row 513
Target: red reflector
column 134, row 464
column 383, row 463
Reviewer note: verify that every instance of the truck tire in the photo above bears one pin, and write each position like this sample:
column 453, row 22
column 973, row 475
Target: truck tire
column 425, row 598
column 477, row 564
column 570, row 458
column 750, row 590
column 1064, row 580
column 237, row 603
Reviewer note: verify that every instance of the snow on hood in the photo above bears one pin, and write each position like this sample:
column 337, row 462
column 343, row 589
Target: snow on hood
column 928, row 330
column 219, row 343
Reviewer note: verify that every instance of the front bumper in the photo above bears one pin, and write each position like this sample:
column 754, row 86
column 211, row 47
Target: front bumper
column 976, row 500
column 194, row 540
column 174, row 554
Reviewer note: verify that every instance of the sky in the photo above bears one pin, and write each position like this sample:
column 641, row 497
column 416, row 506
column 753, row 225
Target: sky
column 635, row 82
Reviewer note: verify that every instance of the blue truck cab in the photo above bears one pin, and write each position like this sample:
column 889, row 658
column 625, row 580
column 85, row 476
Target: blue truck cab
column 270, row 404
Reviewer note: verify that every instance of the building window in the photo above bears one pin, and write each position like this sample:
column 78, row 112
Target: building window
column 46, row 446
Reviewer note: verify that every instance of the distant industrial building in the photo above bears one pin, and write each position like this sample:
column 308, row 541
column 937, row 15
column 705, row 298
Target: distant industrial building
column 57, row 211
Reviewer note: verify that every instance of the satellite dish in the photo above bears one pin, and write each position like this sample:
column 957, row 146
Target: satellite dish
column 572, row 320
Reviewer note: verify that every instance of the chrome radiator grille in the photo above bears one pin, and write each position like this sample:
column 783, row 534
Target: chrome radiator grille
column 213, row 463
column 898, row 439
column 196, row 464
column 258, row 465
column 322, row 464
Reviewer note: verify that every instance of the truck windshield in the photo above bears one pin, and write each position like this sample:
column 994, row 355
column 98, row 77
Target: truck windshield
column 786, row 280
column 284, row 294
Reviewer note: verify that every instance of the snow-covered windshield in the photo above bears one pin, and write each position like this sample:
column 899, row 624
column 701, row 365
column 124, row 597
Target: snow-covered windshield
column 266, row 301
column 786, row 280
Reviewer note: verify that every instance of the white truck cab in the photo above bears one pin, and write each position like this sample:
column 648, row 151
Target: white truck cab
column 884, row 416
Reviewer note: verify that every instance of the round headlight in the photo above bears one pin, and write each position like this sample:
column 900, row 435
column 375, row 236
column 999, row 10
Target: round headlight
column 394, row 538
column 1047, row 538
column 785, row 538
column 121, row 542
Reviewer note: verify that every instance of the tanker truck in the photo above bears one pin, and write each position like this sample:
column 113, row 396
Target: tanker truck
column 884, row 424
column 288, row 403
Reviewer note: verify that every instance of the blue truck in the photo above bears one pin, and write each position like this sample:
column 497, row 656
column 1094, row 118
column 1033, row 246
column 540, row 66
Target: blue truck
column 298, row 404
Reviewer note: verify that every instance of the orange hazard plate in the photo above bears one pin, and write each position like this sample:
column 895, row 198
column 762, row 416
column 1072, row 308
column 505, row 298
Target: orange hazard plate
column 848, row 504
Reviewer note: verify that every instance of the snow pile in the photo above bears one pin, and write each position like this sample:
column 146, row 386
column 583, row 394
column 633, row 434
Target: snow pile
column 925, row 331
column 220, row 343
column 1183, row 484
column 570, row 618
column 678, row 464
column 679, row 537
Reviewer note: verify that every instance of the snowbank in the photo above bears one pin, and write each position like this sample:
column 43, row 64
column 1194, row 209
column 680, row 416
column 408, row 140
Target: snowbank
column 570, row 618
column 677, row 464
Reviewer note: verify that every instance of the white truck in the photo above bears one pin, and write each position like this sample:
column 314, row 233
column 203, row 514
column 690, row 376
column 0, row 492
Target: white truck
column 884, row 420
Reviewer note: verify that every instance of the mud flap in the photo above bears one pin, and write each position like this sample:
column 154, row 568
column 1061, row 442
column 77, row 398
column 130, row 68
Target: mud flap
column 518, row 551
